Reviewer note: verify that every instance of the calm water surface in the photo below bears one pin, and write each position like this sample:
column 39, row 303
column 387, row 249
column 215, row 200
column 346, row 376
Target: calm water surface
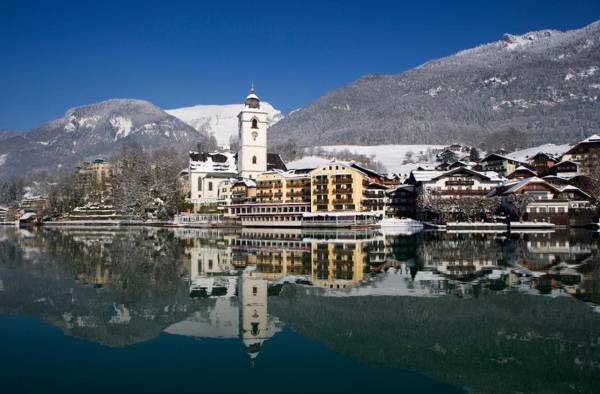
column 180, row 310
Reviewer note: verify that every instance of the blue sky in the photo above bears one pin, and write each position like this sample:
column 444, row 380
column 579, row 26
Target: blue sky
column 56, row 55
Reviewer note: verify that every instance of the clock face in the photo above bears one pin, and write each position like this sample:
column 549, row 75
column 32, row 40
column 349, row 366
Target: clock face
column 254, row 134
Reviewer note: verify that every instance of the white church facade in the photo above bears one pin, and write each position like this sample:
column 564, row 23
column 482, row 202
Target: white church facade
column 212, row 174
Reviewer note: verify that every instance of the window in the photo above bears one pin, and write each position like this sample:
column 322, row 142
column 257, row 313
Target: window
column 254, row 290
column 254, row 123
column 210, row 186
column 253, row 159
column 199, row 184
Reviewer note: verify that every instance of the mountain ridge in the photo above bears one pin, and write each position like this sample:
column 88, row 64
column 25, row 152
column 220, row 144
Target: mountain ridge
column 545, row 83
column 95, row 130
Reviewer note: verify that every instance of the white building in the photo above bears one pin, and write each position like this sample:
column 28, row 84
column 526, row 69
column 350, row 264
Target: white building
column 211, row 175
column 253, row 125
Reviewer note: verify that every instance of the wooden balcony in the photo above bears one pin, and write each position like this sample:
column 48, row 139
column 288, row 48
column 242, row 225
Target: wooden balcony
column 460, row 182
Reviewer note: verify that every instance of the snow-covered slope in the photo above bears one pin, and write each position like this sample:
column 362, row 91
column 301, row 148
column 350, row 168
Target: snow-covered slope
column 219, row 120
column 393, row 157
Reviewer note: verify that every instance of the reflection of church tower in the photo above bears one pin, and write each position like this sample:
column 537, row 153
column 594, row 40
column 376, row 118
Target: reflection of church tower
column 253, row 124
column 254, row 328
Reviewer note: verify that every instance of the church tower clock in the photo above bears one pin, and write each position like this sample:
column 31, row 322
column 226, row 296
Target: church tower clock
column 253, row 124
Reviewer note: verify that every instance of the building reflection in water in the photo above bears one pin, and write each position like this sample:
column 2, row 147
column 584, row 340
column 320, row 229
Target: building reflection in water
column 236, row 273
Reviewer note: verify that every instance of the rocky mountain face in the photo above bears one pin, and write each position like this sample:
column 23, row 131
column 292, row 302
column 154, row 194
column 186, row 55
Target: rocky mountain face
column 92, row 131
column 545, row 83
column 220, row 121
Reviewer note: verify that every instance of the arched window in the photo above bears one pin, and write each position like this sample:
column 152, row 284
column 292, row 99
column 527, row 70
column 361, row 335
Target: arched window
column 253, row 159
column 199, row 184
column 254, row 123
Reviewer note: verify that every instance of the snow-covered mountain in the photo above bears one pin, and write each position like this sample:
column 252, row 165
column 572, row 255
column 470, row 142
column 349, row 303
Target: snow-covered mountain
column 544, row 83
column 92, row 131
column 219, row 120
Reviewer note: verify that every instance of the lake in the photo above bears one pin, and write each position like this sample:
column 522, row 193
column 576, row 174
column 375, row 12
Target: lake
column 154, row 310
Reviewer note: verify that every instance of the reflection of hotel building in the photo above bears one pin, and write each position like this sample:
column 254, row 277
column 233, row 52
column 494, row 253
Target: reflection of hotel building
column 336, row 263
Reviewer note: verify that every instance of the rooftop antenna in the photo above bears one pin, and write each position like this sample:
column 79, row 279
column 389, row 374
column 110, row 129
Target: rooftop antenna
column 251, row 86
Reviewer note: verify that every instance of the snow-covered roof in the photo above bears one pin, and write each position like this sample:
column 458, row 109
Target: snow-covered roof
column 506, row 157
column 425, row 176
column 551, row 150
column 571, row 188
column 27, row 216
column 565, row 162
column 592, row 138
column 522, row 183
column 220, row 162
column 247, row 182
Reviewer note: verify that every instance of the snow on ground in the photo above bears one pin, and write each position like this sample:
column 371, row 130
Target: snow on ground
column 220, row 120
column 551, row 149
column 391, row 156
column 3, row 159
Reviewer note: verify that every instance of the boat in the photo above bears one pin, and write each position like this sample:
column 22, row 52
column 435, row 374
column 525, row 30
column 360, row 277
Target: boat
column 404, row 222
column 395, row 226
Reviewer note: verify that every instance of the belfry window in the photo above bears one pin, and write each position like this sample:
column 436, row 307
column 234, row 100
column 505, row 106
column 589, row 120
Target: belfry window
column 254, row 123
column 253, row 159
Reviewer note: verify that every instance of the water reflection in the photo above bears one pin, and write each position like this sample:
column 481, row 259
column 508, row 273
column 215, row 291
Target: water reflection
column 441, row 304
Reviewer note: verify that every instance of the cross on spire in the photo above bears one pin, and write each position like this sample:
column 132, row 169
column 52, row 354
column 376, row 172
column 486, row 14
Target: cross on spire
column 252, row 86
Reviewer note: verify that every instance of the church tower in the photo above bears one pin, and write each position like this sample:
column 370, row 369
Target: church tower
column 253, row 124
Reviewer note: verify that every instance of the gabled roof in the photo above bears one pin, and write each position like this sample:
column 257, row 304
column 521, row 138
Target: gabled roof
column 489, row 175
column 274, row 161
column 574, row 189
column 524, row 170
column 514, row 187
column 591, row 140
column 562, row 163
column 245, row 181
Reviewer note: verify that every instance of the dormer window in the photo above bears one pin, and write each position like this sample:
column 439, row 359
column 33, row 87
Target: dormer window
column 254, row 123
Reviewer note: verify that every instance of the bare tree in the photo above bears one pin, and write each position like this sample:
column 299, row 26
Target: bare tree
column 518, row 204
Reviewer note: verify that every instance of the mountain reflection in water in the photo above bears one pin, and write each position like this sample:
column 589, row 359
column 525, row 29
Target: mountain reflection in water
column 482, row 312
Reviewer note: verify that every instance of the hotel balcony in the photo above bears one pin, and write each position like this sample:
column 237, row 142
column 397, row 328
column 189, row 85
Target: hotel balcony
column 319, row 202
column 343, row 201
column 321, row 181
column 460, row 182
column 342, row 181
column 468, row 192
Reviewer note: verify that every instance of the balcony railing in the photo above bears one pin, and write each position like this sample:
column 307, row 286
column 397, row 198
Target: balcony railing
column 342, row 181
column 321, row 181
column 460, row 182
column 468, row 192
column 343, row 201
column 320, row 202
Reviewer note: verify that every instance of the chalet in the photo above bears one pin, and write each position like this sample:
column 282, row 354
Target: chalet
column 401, row 202
column 586, row 154
column 534, row 187
column 501, row 164
column 521, row 173
column 565, row 168
column 456, row 183
column 555, row 180
column 544, row 202
column 542, row 162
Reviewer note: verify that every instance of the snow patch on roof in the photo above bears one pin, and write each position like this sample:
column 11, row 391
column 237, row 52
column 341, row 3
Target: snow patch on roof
column 551, row 150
